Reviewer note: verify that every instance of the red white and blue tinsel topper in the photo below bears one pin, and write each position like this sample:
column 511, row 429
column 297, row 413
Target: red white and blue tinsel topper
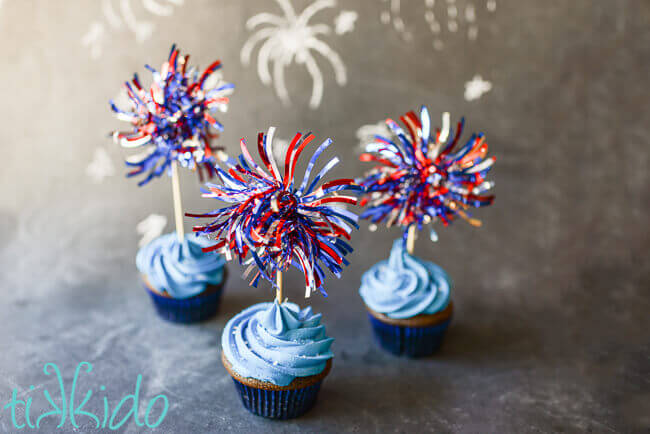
column 422, row 177
column 277, row 221
column 173, row 119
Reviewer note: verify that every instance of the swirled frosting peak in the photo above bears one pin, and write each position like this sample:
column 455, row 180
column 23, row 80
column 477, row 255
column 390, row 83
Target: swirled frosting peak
column 405, row 286
column 180, row 270
column 276, row 343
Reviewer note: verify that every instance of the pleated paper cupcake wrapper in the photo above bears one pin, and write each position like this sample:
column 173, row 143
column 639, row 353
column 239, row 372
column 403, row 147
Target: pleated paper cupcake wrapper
column 189, row 310
column 278, row 404
column 409, row 341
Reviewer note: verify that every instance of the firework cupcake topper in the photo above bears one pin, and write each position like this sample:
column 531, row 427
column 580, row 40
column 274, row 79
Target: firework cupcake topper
column 279, row 222
column 173, row 121
column 422, row 178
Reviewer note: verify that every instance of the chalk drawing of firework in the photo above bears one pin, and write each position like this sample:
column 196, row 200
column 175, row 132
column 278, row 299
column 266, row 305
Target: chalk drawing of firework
column 291, row 38
column 120, row 14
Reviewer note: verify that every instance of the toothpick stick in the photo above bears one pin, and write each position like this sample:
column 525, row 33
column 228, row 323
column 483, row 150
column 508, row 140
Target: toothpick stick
column 278, row 292
column 178, row 207
column 410, row 239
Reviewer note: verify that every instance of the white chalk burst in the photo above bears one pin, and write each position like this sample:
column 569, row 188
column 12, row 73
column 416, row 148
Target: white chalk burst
column 118, row 14
column 101, row 166
column 280, row 147
column 443, row 18
column 344, row 22
column 366, row 134
column 150, row 228
column 290, row 38
column 93, row 39
column 476, row 87
column 393, row 15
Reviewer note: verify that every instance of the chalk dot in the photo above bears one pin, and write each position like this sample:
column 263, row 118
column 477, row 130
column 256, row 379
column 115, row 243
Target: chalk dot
column 491, row 5
column 385, row 17
column 399, row 24
column 31, row 387
column 438, row 44
column 472, row 33
column 470, row 13
column 102, row 387
column 452, row 26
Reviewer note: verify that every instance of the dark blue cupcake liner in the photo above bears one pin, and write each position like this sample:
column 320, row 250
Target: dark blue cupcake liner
column 278, row 404
column 409, row 341
column 189, row 310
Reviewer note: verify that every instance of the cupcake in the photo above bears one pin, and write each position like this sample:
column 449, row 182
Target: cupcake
column 184, row 283
column 422, row 176
column 278, row 356
column 277, row 353
column 408, row 302
column 171, row 122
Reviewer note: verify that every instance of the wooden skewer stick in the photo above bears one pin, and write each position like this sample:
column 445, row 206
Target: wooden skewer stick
column 278, row 291
column 178, row 206
column 410, row 239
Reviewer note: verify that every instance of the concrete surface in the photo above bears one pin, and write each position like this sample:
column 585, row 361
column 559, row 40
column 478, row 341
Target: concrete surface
column 552, row 294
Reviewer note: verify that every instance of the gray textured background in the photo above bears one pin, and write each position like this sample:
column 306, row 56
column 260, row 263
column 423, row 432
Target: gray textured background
column 551, row 326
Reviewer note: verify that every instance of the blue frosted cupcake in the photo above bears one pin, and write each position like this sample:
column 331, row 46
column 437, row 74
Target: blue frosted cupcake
column 278, row 356
column 184, row 283
column 408, row 302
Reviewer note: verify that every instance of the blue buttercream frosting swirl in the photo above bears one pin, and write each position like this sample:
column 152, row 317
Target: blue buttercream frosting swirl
column 181, row 270
column 276, row 343
column 405, row 286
